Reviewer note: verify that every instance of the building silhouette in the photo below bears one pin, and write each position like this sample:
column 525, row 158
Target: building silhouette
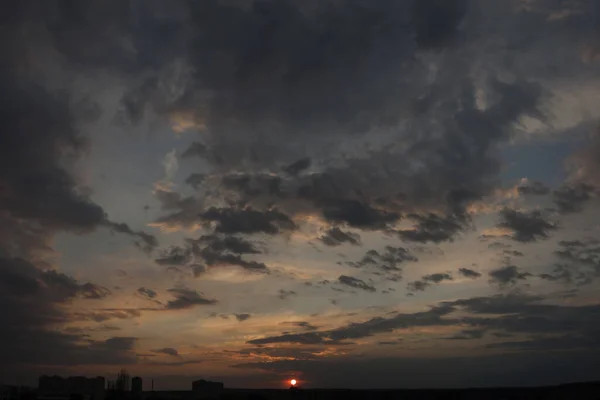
column 136, row 387
column 122, row 383
column 73, row 386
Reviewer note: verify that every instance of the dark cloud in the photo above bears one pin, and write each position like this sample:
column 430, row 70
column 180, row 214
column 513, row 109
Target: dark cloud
column 93, row 291
column 572, row 198
column 469, row 273
column 298, row 166
column 242, row 317
column 149, row 293
column 230, row 244
column 390, row 343
column 169, row 351
column 106, row 314
column 433, row 228
column 284, row 294
column 508, row 275
column 526, row 226
column 212, row 250
column 428, row 280
column 302, row 324
column 145, row 241
column 33, row 303
column 336, row 237
column 187, row 298
column 357, row 214
column 578, row 263
column 355, row 283
column 20, row 278
column 195, row 180
column 390, row 260
column 468, row 334
column 230, row 220
column 513, row 253
column 398, row 120
column 534, row 188
column 432, row 317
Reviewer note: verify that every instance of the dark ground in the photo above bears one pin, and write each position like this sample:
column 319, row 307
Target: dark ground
column 574, row 391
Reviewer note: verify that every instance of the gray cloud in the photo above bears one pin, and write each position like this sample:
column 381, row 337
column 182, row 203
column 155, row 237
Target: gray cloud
column 187, row 298
column 336, row 237
column 534, row 188
column 572, row 198
column 284, row 294
column 293, row 121
column 390, row 260
column 433, row 228
column 301, row 324
column 355, row 283
column 468, row 334
column 212, row 250
column 242, row 317
column 508, row 275
column 578, row 263
column 167, row 351
column 469, row 273
column 229, row 220
column 371, row 327
column 149, row 293
column 428, row 280
column 106, row 314
column 146, row 241
column 526, row 226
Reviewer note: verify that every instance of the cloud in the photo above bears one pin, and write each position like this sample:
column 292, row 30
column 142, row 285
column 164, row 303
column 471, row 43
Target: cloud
column 106, row 314
column 390, row 260
column 468, row 334
column 298, row 166
column 357, row 214
column 572, row 198
column 230, row 244
column 533, row 188
column 433, row 228
column 167, row 351
column 213, row 251
column 406, row 112
column 336, row 237
column 146, row 241
column 284, row 294
column 526, row 226
column 578, row 263
column 187, row 298
column 301, row 324
column 33, row 304
column 242, row 317
column 149, row 293
column 469, row 273
column 507, row 276
column 230, row 221
column 432, row 317
column 428, row 280
column 355, row 283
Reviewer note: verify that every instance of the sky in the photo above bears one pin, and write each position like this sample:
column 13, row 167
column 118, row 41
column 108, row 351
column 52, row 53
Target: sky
column 351, row 193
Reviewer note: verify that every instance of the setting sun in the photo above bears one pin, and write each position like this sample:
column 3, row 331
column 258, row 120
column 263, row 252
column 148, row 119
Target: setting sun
column 293, row 382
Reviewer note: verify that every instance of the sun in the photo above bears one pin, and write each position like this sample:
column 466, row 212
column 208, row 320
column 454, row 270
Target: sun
column 293, row 382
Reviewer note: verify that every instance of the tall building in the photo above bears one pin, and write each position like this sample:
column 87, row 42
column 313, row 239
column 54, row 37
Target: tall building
column 136, row 385
column 122, row 384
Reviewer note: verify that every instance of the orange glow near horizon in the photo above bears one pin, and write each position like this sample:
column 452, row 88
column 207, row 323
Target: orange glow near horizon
column 293, row 382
